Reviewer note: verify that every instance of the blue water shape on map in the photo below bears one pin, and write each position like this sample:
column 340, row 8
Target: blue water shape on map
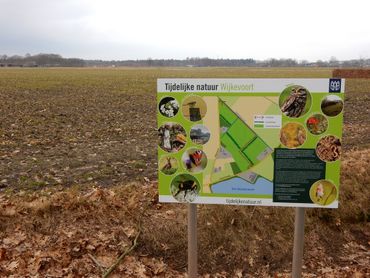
column 241, row 186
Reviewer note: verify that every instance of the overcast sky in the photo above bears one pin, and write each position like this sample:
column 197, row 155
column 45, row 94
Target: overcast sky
column 139, row 29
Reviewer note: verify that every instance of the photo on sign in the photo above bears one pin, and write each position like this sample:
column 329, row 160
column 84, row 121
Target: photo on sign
column 295, row 101
column 172, row 137
column 168, row 107
column 317, row 124
column 168, row 165
column 292, row 135
column 194, row 160
column 185, row 188
column 199, row 134
column 332, row 105
column 329, row 148
column 323, row 192
column 194, row 108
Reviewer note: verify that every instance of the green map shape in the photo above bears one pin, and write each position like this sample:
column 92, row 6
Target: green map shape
column 246, row 148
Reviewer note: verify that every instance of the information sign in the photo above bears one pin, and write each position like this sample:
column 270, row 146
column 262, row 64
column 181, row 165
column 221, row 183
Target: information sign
column 270, row 142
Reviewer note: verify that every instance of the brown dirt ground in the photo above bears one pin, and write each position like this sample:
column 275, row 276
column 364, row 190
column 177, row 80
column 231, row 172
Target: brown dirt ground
column 351, row 73
column 68, row 126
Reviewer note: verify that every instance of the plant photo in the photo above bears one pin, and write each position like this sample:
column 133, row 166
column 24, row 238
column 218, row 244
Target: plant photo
column 168, row 107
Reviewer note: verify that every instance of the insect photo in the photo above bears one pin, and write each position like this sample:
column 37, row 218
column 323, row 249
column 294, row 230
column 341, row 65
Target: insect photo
column 194, row 160
column 185, row 188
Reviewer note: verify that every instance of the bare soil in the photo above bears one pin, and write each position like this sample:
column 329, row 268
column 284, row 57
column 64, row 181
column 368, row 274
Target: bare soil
column 68, row 126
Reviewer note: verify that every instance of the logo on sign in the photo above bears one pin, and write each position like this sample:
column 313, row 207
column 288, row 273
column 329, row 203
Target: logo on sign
column 335, row 85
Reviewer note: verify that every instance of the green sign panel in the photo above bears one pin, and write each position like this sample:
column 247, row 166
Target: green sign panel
column 271, row 142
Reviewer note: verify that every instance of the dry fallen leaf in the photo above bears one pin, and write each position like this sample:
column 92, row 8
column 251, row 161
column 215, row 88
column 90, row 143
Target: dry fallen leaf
column 129, row 231
column 2, row 254
column 15, row 239
column 12, row 265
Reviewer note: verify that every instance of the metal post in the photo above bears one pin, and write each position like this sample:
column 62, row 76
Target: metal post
column 298, row 243
column 192, row 241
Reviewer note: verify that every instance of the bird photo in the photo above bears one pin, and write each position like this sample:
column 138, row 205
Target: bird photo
column 295, row 101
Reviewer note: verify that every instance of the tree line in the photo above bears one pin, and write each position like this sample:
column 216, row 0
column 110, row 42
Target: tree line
column 56, row 60
column 40, row 60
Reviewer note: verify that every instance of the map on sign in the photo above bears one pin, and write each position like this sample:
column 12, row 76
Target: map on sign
column 272, row 142
column 239, row 149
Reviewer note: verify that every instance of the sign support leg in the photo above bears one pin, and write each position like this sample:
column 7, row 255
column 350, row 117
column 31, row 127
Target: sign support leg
column 192, row 241
column 298, row 243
